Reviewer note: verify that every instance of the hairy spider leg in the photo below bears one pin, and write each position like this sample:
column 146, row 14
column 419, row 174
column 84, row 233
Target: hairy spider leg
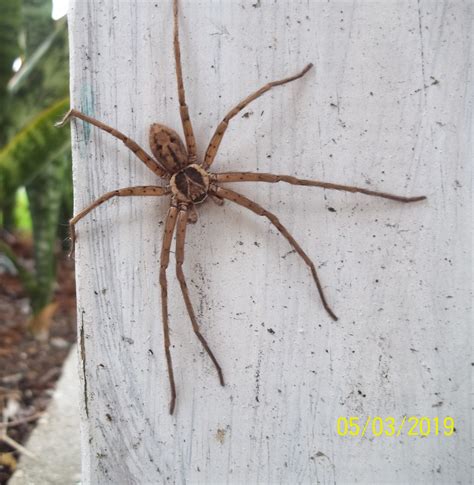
column 148, row 160
column 183, row 107
column 272, row 178
column 180, row 243
column 127, row 192
column 259, row 210
column 216, row 139
column 170, row 225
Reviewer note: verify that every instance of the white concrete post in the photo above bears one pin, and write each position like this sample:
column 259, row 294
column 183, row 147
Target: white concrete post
column 385, row 107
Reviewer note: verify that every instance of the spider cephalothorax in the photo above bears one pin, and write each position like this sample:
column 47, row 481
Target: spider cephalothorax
column 189, row 183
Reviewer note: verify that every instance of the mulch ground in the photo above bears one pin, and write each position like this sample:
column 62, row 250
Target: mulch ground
column 29, row 369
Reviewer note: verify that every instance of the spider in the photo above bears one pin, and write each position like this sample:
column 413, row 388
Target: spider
column 190, row 182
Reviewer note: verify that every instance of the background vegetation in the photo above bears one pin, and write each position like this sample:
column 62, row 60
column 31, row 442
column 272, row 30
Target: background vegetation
column 35, row 164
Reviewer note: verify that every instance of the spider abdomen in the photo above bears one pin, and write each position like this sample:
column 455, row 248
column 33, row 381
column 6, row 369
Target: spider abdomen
column 168, row 148
column 190, row 184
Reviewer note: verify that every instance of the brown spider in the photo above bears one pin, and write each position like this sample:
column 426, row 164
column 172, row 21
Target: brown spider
column 189, row 182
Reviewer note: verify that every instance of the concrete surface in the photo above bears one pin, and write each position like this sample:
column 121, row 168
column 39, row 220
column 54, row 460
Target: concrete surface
column 56, row 441
column 387, row 107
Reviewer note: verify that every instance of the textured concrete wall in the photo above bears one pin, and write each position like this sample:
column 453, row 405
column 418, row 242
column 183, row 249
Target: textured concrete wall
column 386, row 107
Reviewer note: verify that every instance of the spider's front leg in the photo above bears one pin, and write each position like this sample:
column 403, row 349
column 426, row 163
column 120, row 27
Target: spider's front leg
column 180, row 242
column 127, row 192
column 183, row 107
column 128, row 142
column 216, row 139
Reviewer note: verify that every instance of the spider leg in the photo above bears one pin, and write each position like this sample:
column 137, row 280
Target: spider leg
column 129, row 191
column 271, row 178
column 219, row 133
column 183, row 107
column 180, row 241
column 150, row 162
column 259, row 210
column 170, row 225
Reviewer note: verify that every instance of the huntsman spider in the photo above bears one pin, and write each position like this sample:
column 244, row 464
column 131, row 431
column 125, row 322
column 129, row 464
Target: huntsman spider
column 189, row 182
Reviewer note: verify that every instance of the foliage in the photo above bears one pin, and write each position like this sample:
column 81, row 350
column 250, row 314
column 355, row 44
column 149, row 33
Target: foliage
column 10, row 22
column 31, row 150
column 35, row 154
column 21, row 214
column 44, row 193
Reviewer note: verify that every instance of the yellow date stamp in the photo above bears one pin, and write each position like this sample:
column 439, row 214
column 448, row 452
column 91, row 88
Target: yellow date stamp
column 377, row 426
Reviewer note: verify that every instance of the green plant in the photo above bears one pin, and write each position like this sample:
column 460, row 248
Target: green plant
column 35, row 156
column 31, row 150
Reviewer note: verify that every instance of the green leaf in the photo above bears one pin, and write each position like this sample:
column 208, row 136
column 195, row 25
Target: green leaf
column 10, row 22
column 45, row 196
column 18, row 80
column 37, row 22
column 21, row 213
column 10, row 25
column 30, row 151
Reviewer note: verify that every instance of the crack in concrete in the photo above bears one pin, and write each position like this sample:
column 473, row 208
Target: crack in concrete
column 83, row 360
column 422, row 52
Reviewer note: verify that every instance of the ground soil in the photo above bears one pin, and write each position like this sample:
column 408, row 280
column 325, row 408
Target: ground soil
column 29, row 369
